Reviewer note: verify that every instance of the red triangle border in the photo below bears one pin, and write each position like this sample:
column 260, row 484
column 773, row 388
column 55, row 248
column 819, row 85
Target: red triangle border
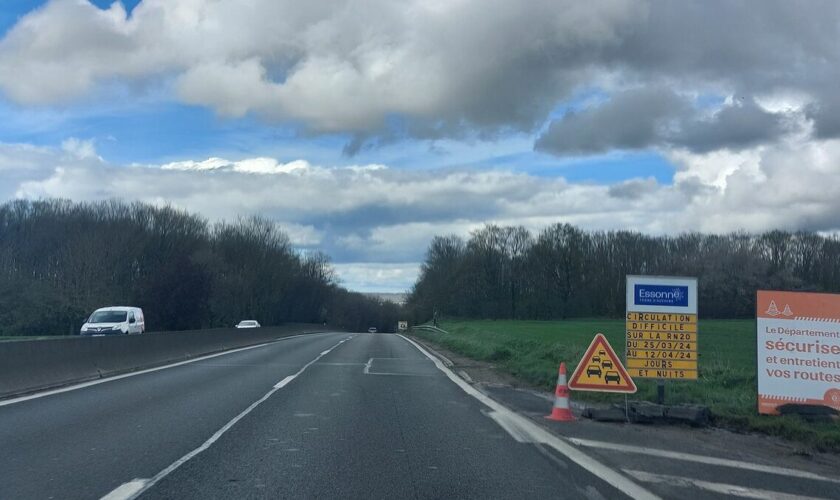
column 602, row 341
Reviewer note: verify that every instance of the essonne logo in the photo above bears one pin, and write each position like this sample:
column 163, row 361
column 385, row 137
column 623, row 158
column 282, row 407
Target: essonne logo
column 661, row 295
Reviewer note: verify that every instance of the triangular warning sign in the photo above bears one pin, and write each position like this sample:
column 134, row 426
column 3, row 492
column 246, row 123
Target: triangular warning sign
column 600, row 370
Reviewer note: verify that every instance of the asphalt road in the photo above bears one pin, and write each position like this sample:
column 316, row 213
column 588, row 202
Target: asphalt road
column 339, row 415
column 328, row 415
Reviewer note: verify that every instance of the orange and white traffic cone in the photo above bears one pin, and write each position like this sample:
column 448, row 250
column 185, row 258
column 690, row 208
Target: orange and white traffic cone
column 561, row 411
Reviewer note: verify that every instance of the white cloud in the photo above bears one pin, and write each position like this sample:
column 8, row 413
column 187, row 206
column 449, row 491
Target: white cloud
column 247, row 166
column 376, row 214
column 378, row 276
column 447, row 68
column 302, row 235
column 82, row 149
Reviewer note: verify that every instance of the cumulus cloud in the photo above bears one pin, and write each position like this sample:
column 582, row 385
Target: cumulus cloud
column 658, row 117
column 372, row 213
column 445, row 69
column 378, row 276
column 84, row 149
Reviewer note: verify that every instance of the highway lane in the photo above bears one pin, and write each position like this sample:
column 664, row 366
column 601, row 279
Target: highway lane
column 374, row 419
column 86, row 442
column 368, row 418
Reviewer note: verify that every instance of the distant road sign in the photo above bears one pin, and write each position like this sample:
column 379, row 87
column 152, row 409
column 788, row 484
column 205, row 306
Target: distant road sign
column 402, row 326
column 600, row 370
column 798, row 349
column 661, row 326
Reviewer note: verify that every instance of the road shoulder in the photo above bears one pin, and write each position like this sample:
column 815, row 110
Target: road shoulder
column 704, row 454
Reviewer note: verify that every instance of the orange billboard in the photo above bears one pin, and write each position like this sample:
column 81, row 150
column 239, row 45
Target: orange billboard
column 798, row 349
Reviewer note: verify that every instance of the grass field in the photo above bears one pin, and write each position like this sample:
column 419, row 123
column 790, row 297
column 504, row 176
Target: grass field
column 532, row 351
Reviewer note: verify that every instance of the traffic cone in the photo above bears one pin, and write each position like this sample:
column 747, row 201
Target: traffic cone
column 561, row 411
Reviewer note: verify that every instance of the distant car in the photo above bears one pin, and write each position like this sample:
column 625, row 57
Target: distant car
column 248, row 323
column 596, row 359
column 612, row 376
column 372, row 329
column 607, row 363
column 114, row 320
column 593, row 370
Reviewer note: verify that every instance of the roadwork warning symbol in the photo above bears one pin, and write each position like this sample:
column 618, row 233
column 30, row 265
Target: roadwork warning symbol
column 600, row 370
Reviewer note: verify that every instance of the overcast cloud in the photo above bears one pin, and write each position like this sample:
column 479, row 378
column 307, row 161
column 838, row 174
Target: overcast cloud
column 374, row 215
column 740, row 99
column 449, row 69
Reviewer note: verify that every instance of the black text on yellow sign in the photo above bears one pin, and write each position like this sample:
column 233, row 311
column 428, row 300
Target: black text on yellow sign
column 662, row 363
column 662, row 373
column 662, row 345
column 661, row 317
column 649, row 326
column 667, row 345
column 680, row 336
column 647, row 354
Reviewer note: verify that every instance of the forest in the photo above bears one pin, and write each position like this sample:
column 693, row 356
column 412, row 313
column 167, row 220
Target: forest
column 60, row 260
column 566, row 272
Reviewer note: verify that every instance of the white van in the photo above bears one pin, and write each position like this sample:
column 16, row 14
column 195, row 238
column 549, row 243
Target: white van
column 115, row 320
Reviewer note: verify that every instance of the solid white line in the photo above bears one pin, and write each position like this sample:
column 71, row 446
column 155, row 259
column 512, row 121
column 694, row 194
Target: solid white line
column 466, row 376
column 511, row 427
column 282, row 383
column 126, row 490
column 688, row 457
column 141, row 372
column 400, row 374
column 722, row 488
column 148, row 483
column 525, row 428
column 367, row 366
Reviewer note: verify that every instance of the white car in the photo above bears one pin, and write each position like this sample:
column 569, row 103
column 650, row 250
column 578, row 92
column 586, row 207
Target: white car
column 248, row 323
column 372, row 329
column 115, row 320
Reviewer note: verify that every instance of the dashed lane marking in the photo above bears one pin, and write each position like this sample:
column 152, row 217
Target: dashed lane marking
column 143, row 372
column 128, row 492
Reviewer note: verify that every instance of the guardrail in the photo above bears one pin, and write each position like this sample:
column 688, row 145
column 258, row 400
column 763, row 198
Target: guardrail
column 429, row 328
column 33, row 365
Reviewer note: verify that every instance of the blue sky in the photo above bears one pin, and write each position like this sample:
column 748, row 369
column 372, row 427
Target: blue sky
column 606, row 118
column 154, row 128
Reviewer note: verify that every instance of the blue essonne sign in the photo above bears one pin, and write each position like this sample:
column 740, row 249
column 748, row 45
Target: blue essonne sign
column 661, row 295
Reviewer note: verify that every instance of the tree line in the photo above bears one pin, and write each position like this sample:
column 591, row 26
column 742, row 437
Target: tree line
column 564, row 272
column 60, row 260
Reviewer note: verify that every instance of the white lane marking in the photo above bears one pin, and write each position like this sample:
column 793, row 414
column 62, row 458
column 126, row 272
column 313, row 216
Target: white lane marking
column 722, row 488
column 466, row 376
column 148, row 483
column 702, row 459
column 51, row 392
column 510, row 426
column 369, row 363
column 537, row 434
column 282, row 383
column 401, row 374
column 126, row 490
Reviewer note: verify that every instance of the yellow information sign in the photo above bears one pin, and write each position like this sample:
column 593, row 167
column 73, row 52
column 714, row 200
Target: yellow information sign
column 661, row 325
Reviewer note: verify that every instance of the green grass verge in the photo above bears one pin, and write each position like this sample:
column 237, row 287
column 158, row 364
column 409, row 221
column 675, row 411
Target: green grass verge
column 532, row 351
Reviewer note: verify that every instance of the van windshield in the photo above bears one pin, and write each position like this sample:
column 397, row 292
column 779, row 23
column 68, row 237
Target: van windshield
column 108, row 317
